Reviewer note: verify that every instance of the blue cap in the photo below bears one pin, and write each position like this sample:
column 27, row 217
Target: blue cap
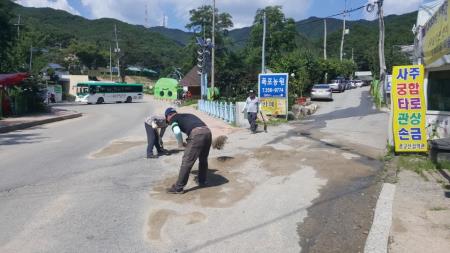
column 169, row 111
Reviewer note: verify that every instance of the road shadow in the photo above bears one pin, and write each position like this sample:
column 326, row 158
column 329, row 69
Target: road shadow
column 365, row 108
column 213, row 180
column 174, row 151
column 19, row 137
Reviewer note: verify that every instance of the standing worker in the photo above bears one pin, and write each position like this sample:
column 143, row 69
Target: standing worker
column 252, row 107
column 155, row 127
column 197, row 147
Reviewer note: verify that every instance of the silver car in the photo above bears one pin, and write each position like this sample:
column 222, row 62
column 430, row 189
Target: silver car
column 321, row 91
column 337, row 85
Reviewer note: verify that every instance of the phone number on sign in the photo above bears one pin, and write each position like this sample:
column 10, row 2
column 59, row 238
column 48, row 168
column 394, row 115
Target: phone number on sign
column 273, row 90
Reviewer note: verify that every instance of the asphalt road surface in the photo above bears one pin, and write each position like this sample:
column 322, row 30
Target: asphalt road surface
column 83, row 185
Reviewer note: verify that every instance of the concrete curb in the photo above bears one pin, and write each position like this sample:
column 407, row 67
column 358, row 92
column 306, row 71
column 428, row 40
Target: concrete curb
column 25, row 125
column 378, row 239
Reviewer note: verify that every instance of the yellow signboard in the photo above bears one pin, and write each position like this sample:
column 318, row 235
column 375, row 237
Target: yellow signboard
column 436, row 35
column 408, row 100
column 273, row 106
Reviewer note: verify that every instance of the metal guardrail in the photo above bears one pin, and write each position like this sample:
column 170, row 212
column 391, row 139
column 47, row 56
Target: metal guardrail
column 222, row 110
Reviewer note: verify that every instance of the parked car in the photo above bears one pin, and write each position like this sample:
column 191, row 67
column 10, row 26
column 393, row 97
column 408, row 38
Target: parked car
column 359, row 83
column 348, row 85
column 337, row 85
column 321, row 91
column 351, row 84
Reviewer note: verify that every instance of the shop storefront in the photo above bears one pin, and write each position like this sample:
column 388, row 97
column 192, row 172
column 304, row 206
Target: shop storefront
column 433, row 51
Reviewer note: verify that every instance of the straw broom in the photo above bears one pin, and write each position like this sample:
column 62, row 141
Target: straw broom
column 219, row 142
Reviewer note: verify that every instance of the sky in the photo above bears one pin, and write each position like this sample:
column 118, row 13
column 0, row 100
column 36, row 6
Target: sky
column 242, row 11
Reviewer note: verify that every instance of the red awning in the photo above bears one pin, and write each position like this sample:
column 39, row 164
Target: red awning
column 12, row 79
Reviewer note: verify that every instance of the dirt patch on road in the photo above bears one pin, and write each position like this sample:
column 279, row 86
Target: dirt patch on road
column 279, row 162
column 226, row 178
column 116, row 147
column 158, row 220
column 226, row 186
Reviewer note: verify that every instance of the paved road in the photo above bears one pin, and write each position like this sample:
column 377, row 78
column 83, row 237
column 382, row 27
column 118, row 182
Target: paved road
column 83, row 186
column 56, row 198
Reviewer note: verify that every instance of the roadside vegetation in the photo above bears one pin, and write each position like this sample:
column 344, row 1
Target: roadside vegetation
column 82, row 46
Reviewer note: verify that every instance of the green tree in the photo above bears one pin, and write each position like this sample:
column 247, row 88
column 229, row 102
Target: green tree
column 89, row 54
column 200, row 22
column 7, row 34
column 280, row 39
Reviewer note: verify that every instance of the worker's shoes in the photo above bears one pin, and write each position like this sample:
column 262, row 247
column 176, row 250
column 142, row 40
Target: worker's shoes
column 152, row 156
column 174, row 190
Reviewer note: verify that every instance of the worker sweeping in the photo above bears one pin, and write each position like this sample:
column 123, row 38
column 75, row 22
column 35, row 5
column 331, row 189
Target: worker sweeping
column 155, row 127
column 197, row 146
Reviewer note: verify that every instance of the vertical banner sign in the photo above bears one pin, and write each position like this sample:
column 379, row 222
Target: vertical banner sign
column 409, row 112
column 273, row 93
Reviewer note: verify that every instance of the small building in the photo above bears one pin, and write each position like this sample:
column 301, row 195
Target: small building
column 70, row 82
column 365, row 76
column 432, row 49
column 191, row 82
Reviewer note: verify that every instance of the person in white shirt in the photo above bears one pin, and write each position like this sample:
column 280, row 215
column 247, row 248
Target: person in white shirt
column 252, row 108
column 155, row 127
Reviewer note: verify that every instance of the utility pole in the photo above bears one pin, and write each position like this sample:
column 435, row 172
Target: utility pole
column 110, row 62
column 18, row 27
column 213, row 50
column 325, row 39
column 263, row 61
column 381, row 49
column 117, row 51
column 31, row 57
column 343, row 31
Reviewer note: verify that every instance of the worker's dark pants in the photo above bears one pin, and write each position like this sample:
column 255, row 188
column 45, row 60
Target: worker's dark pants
column 198, row 146
column 252, row 120
column 153, row 139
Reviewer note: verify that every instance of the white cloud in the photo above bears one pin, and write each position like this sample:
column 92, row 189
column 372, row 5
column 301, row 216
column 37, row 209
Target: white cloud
column 396, row 7
column 243, row 12
column 55, row 4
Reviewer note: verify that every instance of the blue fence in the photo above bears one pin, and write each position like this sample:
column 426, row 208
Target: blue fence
column 223, row 110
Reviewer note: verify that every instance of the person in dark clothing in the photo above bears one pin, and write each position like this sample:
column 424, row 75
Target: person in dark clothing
column 197, row 147
column 155, row 127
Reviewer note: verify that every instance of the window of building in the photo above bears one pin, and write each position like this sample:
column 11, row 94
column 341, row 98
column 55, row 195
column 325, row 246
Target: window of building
column 439, row 91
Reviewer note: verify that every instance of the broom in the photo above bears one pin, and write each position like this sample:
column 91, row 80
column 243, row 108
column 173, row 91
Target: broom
column 219, row 142
column 264, row 121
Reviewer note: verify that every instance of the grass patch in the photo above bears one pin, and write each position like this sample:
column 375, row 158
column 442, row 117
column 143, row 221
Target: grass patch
column 444, row 165
column 189, row 102
column 416, row 163
column 273, row 121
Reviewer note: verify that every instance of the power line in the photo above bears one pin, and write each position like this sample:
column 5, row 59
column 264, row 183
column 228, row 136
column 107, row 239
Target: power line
column 334, row 15
column 320, row 19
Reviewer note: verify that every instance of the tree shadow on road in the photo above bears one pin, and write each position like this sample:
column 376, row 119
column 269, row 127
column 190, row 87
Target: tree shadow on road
column 366, row 107
column 19, row 137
